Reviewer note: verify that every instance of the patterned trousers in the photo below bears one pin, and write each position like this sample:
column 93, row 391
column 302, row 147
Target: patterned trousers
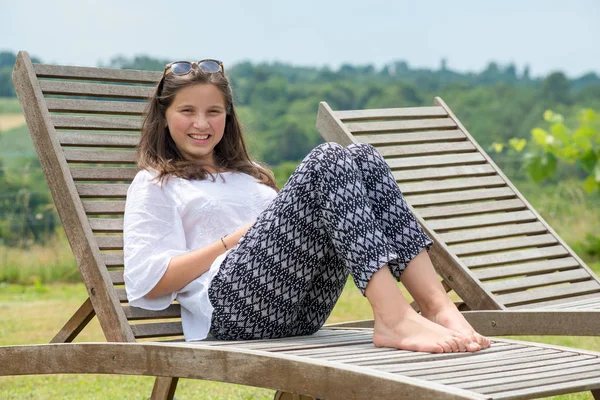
column 341, row 212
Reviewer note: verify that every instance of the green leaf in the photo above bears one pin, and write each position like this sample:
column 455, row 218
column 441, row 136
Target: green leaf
column 560, row 132
column 569, row 153
column 517, row 144
column 597, row 172
column 586, row 116
column 540, row 136
column 540, row 166
column 588, row 161
column 590, row 184
column 553, row 117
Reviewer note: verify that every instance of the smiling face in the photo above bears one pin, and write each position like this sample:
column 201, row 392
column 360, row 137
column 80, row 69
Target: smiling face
column 196, row 122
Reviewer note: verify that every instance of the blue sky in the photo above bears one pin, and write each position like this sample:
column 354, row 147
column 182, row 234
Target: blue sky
column 548, row 35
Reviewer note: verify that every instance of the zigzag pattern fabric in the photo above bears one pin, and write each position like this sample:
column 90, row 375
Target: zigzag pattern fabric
column 341, row 212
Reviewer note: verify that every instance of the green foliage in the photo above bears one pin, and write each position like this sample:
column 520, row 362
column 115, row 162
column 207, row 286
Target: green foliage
column 9, row 105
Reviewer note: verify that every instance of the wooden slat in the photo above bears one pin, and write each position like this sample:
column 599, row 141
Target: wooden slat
column 101, row 207
column 114, row 123
column 103, row 190
column 91, row 73
column 428, row 149
column 116, row 276
column 471, row 208
column 96, row 90
column 103, row 174
column 110, row 242
column 400, row 126
column 121, row 295
column 107, row 225
column 447, row 172
column 548, row 293
column 560, row 304
column 412, row 137
column 503, row 244
column 100, row 156
column 135, row 313
column 460, row 197
column 538, row 280
column 515, row 256
column 390, row 113
column 161, row 329
column 96, row 106
column 494, row 232
column 451, row 184
column 479, row 221
column 113, row 259
column 126, row 141
column 435, row 161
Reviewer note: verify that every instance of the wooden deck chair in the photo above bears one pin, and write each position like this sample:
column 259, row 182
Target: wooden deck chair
column 492, row 248
column 85, row 148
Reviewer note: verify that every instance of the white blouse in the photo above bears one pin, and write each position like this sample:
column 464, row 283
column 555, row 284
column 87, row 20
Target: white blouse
column 164, row 220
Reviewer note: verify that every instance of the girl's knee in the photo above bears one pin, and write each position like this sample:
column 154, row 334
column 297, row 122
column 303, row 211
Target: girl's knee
column 361, row 149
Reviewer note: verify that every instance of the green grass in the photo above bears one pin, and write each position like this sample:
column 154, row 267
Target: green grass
column 9, row 105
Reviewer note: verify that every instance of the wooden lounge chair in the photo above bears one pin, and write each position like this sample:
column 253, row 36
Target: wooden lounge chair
column 492, row 248
column 85, row 147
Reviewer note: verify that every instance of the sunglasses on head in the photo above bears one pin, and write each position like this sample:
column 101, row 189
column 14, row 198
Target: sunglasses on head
column 185, row 67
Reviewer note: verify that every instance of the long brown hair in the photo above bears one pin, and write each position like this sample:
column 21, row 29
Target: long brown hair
column 157, row 150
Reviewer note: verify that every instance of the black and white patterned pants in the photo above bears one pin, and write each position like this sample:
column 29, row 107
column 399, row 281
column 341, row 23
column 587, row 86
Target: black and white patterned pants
column 340, row 212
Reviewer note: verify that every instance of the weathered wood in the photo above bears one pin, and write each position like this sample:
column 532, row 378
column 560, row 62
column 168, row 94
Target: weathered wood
column 480, row 221
column 110, row 242
column 389, row 139
column 76, row 323
column 560, row 304
column 430, row 161
column 113, row 259
column 106, row 225
column 100, row 156
column 390, row 113
column 471, row 208
column 529, row 319
column 69, row 207
column 96, row 190
column 160, row 329
column 327, row 121
column 99, row 207
column 493, row 232
column 440, row 173
column 434, row 186
column 538, row 280
column 96, row 74
column 532, row 268
column 514, row 256
column 135, row 313
column 103, row 173
column 104, row 123
column 427, row 149
column 401, row 126
column 126, row 141
column 96, row 106
column 117, row 277
column 462, row 250
column 96, row 90
column 164, row 388
column 549, row 293
column 276, row 371
column 462, row 196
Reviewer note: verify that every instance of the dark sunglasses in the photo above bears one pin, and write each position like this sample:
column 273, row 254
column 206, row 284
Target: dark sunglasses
column 185, row 67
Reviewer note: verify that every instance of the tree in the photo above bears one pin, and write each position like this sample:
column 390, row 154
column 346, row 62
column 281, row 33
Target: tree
column 556, row 89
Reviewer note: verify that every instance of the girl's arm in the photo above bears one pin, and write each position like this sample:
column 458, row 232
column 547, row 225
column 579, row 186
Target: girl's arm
column 184, row 268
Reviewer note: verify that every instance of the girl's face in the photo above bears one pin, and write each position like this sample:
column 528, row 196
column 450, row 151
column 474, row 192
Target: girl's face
column 196, row 121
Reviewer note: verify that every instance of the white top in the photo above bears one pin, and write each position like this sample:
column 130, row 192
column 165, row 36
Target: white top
column 163, row 220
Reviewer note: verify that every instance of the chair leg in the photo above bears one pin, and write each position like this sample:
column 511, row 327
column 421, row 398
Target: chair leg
column 279, row 395
column 75, row 324
column 164, row 388
column 596, row 394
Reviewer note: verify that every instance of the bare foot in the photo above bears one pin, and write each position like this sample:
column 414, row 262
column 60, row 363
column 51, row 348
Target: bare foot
column 416, row 333
column 449, row 317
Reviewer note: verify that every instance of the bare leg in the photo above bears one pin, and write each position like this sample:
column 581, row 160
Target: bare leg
column 398, row 325
column 423, row 284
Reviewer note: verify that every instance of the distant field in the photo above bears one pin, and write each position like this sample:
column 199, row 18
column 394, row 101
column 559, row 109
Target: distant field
column 10, row 121
column 9, row 105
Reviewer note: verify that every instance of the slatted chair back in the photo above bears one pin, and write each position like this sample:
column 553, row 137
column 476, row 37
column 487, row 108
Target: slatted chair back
column 85, row 125
column 492, row 247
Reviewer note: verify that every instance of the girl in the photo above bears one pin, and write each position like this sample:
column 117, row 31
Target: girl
column 206, row 226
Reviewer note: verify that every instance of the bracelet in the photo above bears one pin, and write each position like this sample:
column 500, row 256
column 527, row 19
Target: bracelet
column 223, row 241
